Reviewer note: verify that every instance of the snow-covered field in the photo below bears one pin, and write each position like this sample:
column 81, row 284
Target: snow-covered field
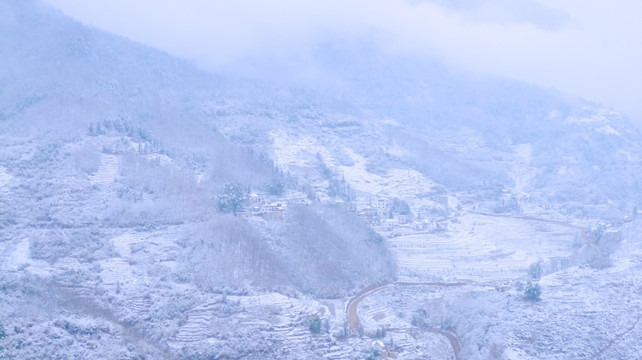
column 19, row 256
column 5, row 178
column 402, row 183
column 485, row 253
column 134, row 249
column 282, row 321
column 490, row 256
column 6, row 181
column 115, row 241
column 107, row 171
column 482, row 249
column 296, row 153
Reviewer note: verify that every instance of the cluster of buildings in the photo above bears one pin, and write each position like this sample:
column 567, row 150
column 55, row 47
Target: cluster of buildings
column 379, row 211
column 258, row 206
column 371, row 210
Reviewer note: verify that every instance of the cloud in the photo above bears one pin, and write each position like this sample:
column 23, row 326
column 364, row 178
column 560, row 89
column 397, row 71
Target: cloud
column 584, row 48
column 505, row 11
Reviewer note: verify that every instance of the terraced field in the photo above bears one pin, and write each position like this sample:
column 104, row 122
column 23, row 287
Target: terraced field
column 282, row 319
column 108, row 170
column 481, row 249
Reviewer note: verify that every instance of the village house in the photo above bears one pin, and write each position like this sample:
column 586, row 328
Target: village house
column 390, row 224
column 254, row 199
column 403, row 218
column 380, row 205
column 369, row 215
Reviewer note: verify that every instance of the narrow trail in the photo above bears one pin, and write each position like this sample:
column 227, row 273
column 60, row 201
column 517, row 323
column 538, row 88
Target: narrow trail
column 618, row 337
column 353, row 304
column 585, row 236
column 525, row 217
column 351, row 307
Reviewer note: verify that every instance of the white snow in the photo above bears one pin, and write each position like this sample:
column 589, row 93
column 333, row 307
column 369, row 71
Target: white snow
column 162, row 158
column 107, row 171
column 292, row 152
column 280, row 313
column 118, row 271
column 396, row 182
column 5, row 178
column 480, row 248
column 524, row 153
column 601, row 116
column 19, row 256
column 626, row 155
column 607, row 129
column 123, row 242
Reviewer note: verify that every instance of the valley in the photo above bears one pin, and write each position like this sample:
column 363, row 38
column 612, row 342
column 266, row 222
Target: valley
column 150, row 209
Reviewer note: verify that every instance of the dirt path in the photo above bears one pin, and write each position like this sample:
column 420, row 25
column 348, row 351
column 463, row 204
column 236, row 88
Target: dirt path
column 587, row 238
column 454, row 342
column 353, row 304
column 351, row 308
column 530, row 218
column 618, row 337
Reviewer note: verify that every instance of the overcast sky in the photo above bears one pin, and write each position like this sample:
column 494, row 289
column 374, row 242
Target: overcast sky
column 587, row 48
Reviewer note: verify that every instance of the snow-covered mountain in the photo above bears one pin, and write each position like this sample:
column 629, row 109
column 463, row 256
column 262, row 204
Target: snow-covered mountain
column 148, row 208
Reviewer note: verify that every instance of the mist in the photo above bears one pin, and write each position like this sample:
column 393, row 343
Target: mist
column 198, row 180
column 586, row 49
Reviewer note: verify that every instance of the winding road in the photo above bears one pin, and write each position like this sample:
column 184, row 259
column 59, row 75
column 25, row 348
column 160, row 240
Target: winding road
column 353, row 304
column 353, row 315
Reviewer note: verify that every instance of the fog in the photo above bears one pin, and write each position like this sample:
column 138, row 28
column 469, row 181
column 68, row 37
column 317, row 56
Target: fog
column 319, row 180
column 584, row 48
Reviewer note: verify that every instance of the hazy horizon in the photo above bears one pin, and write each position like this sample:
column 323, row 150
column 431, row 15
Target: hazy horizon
column 584, row 49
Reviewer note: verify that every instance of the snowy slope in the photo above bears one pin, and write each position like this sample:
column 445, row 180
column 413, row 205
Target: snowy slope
column 115, row 157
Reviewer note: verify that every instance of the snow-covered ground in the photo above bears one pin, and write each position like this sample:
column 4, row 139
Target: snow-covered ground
column 295, row 153
column 5, row 178
column 113, row 251
column 107, row 171
column 395, row 183
column 134, row 249
column 123, row 243
column 19, row 256
column 6, row 181
column 292, row 152
column 282, row 321
column 480, row 248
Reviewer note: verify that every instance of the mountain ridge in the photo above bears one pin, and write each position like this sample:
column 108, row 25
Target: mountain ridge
column 200, row 211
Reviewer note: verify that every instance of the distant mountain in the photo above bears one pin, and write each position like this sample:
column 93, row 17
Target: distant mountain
column 450, row 126
column 465, row 132
column 125, row 171
column 100, row 132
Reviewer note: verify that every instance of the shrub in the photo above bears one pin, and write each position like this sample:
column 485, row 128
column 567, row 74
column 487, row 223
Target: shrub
column 535, row 270
column 314, row 324
column 276, row 188
column 419, row 318
column 400, row 207
column 233, row 197
column 532, row 292
column 373, row 354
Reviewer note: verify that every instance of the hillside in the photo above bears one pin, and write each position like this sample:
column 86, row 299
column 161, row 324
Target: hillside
column 149, row 209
